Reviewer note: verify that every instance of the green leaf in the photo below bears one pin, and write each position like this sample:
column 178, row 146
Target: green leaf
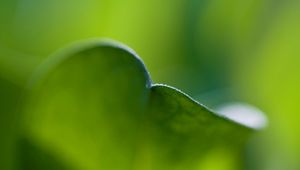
column 93, row 106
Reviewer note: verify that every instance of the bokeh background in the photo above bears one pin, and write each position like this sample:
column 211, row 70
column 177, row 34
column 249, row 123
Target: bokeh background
column 215, row 50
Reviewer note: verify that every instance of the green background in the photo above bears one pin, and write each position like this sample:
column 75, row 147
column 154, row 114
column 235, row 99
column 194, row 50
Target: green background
column 216, row 51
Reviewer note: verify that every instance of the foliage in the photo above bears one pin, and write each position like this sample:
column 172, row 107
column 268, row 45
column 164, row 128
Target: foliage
column 93, row 106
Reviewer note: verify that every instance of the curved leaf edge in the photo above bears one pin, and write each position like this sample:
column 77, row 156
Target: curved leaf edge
column 55, row 59
column 62, row 54
column 211, row 111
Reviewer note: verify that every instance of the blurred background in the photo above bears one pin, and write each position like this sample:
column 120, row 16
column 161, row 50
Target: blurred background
column 215, row 50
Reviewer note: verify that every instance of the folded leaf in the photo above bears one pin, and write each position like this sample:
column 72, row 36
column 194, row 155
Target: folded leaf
column 93, row 107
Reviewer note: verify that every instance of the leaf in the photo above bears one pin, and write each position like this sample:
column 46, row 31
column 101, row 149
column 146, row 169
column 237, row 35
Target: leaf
column 93, row 106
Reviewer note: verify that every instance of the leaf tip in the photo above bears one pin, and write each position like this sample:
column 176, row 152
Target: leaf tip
column 244, row 114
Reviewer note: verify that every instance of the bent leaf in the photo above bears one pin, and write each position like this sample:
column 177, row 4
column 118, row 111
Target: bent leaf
column 93, row 106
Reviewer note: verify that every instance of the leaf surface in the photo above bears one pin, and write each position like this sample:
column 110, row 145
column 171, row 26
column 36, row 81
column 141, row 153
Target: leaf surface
column 93, row 106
